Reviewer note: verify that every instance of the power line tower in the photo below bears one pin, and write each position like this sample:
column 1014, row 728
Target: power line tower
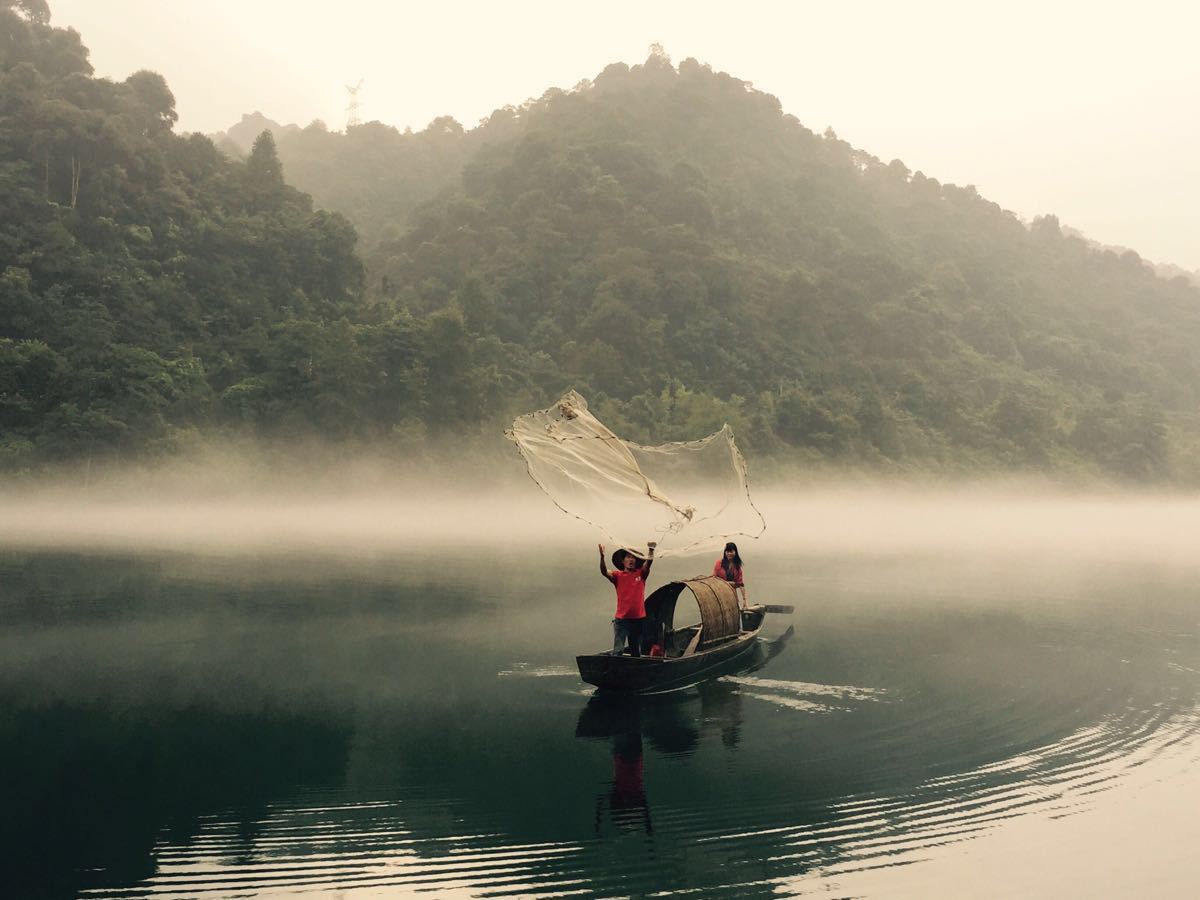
column 352, row 107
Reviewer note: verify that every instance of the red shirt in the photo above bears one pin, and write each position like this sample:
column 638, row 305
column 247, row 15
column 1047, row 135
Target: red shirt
column 735, row 571
column 629, row 785
column 631, row 593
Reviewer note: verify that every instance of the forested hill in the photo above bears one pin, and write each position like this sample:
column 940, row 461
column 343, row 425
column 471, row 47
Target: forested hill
column 670, row 237
column 664, row 239
column 150, row 288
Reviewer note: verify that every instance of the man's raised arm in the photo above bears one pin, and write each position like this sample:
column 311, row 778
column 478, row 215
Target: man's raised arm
column 649, row 560
column 603, row 567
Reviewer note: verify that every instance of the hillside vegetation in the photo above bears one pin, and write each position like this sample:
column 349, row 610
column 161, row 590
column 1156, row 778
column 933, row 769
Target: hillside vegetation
column 664, row 239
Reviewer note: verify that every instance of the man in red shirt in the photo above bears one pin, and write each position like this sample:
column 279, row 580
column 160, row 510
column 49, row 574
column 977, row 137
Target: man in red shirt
column 629, row 579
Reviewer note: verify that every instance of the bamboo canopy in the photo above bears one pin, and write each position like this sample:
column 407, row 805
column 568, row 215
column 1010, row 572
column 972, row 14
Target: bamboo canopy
column 718, row 602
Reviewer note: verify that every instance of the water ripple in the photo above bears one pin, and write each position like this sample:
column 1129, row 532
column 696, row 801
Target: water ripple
column 365, row 847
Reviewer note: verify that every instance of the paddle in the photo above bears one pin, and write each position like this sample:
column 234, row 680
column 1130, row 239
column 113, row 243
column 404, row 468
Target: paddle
column 775, row 608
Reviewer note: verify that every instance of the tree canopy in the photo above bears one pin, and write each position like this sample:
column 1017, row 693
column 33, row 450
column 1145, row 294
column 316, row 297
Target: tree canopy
column 664, row 239
column 143, row 276
column 664, row 233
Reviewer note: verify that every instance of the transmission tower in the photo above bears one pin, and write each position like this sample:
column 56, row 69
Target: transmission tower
column 352, row 118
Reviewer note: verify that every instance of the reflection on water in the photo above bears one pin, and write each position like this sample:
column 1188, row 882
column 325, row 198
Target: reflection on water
column 91, row 791
column 172, row 725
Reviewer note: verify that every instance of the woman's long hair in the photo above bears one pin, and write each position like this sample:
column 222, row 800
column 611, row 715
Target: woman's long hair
column 737, row 557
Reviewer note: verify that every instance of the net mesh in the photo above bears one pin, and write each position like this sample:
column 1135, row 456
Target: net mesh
column 687, row 496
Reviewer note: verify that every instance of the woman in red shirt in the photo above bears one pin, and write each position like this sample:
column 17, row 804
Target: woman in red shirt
column 729, row 568
column 630, row 581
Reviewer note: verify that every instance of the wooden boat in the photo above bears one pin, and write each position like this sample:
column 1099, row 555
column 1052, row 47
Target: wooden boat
column 725, row 639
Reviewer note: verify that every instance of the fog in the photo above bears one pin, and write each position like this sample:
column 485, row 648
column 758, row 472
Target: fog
column 369, row 507
column 365, row 632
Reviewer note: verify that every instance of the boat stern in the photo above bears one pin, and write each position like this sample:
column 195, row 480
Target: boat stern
column 623, row 673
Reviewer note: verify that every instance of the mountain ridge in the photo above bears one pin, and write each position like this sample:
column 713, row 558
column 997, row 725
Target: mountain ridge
column 238, row 138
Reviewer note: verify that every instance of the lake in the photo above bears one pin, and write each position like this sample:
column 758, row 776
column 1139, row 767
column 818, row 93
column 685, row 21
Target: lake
column 958, row 712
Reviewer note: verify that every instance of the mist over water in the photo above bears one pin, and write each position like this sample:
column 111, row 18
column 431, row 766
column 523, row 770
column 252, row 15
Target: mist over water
column 371, row 691
column 379, row 513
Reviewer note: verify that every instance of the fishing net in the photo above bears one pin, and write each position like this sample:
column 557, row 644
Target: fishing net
column 687, row 496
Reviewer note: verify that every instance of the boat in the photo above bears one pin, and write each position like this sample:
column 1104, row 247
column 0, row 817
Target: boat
column 724, row 640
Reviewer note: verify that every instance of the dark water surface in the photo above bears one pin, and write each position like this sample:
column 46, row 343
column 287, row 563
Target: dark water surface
column 176, row 725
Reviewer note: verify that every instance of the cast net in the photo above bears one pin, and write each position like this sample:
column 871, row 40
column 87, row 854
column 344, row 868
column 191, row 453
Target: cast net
column 687, row 496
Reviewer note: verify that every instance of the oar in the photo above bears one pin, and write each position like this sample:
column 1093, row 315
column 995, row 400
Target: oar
column 776, row 608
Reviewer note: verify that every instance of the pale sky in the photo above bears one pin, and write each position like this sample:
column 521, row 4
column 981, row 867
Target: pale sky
column 1089, row 110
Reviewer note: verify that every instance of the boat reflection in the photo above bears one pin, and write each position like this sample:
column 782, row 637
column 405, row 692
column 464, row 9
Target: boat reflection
column 674, row 724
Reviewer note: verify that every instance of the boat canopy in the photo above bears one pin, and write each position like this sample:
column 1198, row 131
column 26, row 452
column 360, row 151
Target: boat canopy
column 718, row 602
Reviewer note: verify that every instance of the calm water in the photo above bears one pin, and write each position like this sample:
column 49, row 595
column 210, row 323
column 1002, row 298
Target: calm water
column 386, row 724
